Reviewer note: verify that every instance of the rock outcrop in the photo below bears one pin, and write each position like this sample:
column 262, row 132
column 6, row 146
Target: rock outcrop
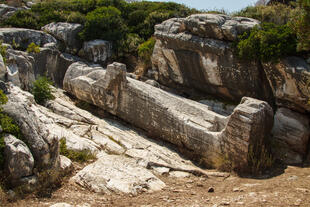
column 185, row 123
column 23, row 37
column 196, row 52
column 291, row 133
column 6, row 11
column 19, row 160
column 2, row 68
column 97, row 51
column 118, row 174
column 67, row 33
column 290, row 83
column 43, row 146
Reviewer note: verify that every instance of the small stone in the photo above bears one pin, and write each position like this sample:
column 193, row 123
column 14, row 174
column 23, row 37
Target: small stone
column 240, row 203
column 225, row 203
column 211, row 190
column 298, row 202
column 292, row 178
column 199, row 185
column 179, row 174
column 237, row 190
column 252, row 194
column 303, row 190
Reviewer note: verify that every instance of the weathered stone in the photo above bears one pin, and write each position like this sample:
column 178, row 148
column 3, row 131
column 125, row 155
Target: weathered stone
column 97, row 51
column 67, row 33
column 52, row 63
column 187, row 124
column 66, row 165
column 119, row 174
column 25, row 112
column 20, row 69
column 290, row 80
column 6, row 11
column 291, row 134
column 23, row 68
column 61, row 205
column 2, row 68
column 218, row 26
column 18, row 158
column 219, row 107
column 184, row 60
column 23, row 37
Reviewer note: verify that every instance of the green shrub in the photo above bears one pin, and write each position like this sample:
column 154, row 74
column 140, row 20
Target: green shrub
column 145, row 51
column 42, row 90
column 76, row 17
column 276, row 13
column 78, row 156
column 104, row 23
column 3, row 51
column 300, row 23
column 33, row 48
column 267, row 43
column 24, row 19
column 8, row 127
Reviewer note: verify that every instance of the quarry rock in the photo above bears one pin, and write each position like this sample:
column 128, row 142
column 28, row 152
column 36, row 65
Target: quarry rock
column 289, row 80
column 67, row 33
column 97, row 51
column 189, row 125
column 291, row 133
column 19, row 161
column 66, row 165
column 23, row 37
column 119, row 174
column 2, row 68
column 25, row 112
column 195, row 53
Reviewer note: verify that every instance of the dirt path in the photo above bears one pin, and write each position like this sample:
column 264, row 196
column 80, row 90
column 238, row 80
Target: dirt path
column 291, row 188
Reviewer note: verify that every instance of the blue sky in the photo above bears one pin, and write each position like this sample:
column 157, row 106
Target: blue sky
column 228, row 5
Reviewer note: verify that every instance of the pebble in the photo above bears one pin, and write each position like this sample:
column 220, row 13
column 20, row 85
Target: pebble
column 211, row 190
column 237, row 190
column 252, row 194
column 240, row 203
column 303, row 190
column 292, row 177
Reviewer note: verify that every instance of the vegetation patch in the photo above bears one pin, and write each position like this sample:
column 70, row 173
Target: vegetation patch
column 269, row 42
column 42, row 90
column 33, row 48
column 3, row 51
column 78, row 156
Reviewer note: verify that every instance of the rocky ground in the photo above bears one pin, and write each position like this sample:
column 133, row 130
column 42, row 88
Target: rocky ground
column 290, row 188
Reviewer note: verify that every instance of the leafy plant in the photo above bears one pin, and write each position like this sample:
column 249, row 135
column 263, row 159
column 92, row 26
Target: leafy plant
column 78, row 156
column 33, row 48
column 104, row 23
column 145, row 50
column 300, row 23
column 42, row 90
column 3, row 51
column 267, row 43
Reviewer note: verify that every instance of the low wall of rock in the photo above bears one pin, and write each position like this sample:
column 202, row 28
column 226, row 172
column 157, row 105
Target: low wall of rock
column 185, row 123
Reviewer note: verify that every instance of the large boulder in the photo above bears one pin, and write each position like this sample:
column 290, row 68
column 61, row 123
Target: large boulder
column 23, row 37
column 97, row 51
column 290, row 82
column 23, row 68
column 196, row 52
column 118, row 174
column 67, row 33
column 188, row 124
column 20, row 69
column 291, row 133
column 26, row 113
column 19, row 161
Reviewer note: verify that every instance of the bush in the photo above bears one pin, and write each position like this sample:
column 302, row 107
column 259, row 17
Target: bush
column 145, row 51
column 267, row 43
column 8, row 127
column 276, row 13
column 78, row 156
column 33, row 48
column 42, row 90
column 300, row 23
column 104, row 23
column 3, row 52
column 24, row 19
